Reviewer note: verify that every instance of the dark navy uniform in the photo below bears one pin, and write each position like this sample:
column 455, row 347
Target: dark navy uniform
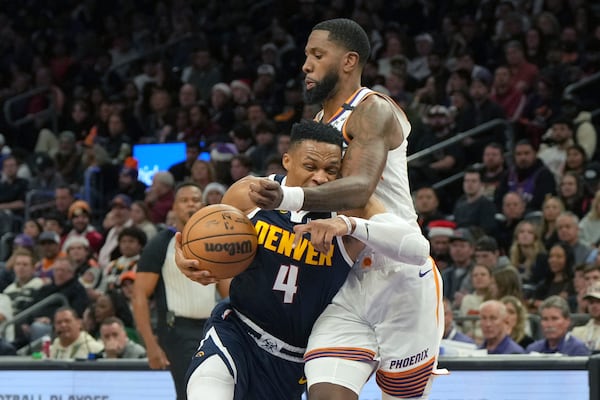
column 262, row 331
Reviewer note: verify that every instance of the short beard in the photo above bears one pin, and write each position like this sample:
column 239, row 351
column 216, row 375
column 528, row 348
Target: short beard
column 322, row 90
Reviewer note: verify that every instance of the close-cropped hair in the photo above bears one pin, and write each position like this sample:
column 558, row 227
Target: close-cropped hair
column 312, row 130
column 348, row 34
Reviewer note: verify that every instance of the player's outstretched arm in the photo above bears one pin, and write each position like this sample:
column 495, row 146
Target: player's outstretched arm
column 383, row 232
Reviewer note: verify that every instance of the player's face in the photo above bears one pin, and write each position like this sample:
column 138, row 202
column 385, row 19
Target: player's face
column 188, row 200
column 323, row 58
column 311, row 163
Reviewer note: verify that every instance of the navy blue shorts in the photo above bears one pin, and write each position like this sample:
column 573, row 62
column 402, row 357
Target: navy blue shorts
column 258, row 374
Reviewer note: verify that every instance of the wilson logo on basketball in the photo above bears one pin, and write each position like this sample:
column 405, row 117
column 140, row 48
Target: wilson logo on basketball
column 244, row 247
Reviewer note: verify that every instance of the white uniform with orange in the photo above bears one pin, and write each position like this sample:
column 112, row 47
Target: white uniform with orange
column 387, row 313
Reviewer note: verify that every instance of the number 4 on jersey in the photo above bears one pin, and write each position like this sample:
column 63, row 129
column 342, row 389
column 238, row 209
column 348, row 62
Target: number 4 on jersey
column 286, row 282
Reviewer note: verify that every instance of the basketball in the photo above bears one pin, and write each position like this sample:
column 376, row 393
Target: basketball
column 221, row 238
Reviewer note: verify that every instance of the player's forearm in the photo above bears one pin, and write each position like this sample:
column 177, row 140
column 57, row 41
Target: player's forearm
column 343, row 194
column 393, row 237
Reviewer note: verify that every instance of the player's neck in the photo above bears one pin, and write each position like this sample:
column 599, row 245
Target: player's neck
column 332, row 104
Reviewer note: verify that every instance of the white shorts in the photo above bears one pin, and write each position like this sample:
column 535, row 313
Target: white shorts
column 393, row 316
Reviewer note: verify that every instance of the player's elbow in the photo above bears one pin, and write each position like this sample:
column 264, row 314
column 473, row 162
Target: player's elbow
column 414, row 249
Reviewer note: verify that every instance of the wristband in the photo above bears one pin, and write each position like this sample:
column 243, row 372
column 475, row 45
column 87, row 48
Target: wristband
column 348, row 223
column 293, row 199
column 361, row 230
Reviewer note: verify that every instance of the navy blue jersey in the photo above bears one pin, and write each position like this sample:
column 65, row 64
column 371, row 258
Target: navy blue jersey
column 284, row 290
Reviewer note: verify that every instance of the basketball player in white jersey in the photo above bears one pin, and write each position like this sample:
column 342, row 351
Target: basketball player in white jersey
column 388, row 316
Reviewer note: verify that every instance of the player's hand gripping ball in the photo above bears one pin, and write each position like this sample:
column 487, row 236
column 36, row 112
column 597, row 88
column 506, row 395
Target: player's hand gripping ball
column 221, row 238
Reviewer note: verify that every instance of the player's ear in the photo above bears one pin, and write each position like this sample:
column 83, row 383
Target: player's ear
column 351, row 60
column 286, row 161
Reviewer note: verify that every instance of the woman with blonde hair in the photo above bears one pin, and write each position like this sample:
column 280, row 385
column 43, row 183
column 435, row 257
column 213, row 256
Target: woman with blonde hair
column 589, row 227
column 551, row 209
column 517, row 320
column 527, row 252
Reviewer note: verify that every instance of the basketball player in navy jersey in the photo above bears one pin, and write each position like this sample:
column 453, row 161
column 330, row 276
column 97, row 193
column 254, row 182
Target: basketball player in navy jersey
column 359, row 333
column 253, row 345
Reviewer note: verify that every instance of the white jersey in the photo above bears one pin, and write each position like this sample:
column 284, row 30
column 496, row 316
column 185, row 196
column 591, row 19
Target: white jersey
column 393, row 189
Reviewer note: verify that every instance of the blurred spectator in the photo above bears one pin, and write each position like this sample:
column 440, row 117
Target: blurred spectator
column 556, row 319
column 12, row 188
column 221, row 108
column 50, row 248
column 140, row 215
column 473, row 208
column 241, row 166
column 443, row 163
column 79, row 215
column 576, row 160
column 529, row 177
column 506, row 282
column 68, row 158
column 590, row 332
column 112, row 304
column 129, row 184
column 567, row 227
column 457, row 276
column 589, row 226
column 46, row 176
column 439, row 233
column 553, row 152
column 481, row 279
column 202, row 73
column 159, row 197
column 523, row 72
column 266, row 146
column 481, row 110
column 115, row 341
column 78, row 250
column 559, row 281
column 213, row 193
column 53, row 221
column 417, row 66
column 65, row 282
column 131, row 242
column 528, row 254
column 202, row 173
column 426, row 205
column 513, row 212
column 573, row 193
column 118, row 218
column 118, row 142
column 182, row 170
column 71, row 341
column 584, row 131
column 488, row 254
column 493, row 319
column 22, row 290
column 451, row 332
column 511, row 99
column 493, row 170
column 551, row 209
column 64, row 196
column 243, row 139
column 517, row 321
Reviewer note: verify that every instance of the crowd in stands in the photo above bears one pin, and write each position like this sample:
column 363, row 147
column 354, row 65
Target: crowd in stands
column 516, row 236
